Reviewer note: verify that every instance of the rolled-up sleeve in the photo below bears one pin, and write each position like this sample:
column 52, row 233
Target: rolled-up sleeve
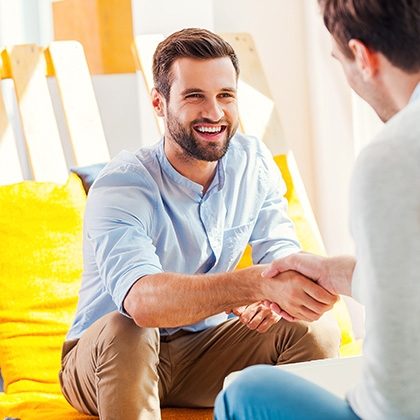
column 115, row 227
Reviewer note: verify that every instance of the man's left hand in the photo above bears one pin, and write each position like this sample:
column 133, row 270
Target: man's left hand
column 257, row 316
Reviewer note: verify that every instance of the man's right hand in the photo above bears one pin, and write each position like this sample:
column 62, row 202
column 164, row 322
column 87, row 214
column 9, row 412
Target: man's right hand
column 296, row 297
column 333, row 274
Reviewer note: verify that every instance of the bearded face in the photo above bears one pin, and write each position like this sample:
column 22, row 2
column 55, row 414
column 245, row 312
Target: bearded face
column 190, row 137
column 200, row 114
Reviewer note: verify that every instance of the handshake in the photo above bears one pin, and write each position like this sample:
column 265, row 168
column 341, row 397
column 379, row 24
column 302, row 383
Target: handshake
column 299, row 287
column 329, row 278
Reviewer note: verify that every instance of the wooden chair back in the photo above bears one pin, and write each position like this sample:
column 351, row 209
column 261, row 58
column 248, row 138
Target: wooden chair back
column 55, row 121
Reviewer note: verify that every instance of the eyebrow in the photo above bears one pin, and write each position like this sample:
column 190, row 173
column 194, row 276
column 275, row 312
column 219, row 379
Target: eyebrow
column 197, row 90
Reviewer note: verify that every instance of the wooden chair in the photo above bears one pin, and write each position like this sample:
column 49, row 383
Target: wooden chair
column 32, row 70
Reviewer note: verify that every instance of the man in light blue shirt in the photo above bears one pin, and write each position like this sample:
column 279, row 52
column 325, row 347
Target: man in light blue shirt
column 164, row 230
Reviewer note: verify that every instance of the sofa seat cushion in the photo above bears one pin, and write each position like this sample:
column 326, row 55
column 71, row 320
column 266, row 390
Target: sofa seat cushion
column 38, row 406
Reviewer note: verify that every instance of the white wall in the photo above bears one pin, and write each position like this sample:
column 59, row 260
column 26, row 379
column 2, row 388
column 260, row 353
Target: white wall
column 167, row 16
column 332, row 135
column 25, row 21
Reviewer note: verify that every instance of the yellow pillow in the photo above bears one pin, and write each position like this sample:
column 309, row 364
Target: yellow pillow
column 40, row 273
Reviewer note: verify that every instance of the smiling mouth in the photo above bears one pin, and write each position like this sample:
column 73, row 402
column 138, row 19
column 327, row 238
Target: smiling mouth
column 210, row 130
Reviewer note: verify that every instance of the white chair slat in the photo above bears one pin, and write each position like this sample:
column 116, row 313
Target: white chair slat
column 66, row 61
column 257, row 110
column 28, row 71
column 10, row 167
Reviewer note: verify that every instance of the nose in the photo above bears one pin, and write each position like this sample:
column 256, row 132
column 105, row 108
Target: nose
column 213, row 110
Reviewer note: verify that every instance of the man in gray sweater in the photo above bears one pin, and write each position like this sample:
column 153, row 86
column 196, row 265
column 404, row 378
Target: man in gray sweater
column 378, row 44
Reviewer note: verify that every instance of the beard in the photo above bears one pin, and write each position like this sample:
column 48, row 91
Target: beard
column 185, row 138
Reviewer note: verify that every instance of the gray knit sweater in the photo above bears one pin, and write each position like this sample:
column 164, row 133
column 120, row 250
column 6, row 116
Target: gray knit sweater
column 385, row 223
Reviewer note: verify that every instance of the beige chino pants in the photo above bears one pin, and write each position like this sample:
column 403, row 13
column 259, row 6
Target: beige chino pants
column 120, row 371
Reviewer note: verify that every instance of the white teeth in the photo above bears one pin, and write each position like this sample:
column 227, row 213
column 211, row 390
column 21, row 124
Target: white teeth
column 209, row 129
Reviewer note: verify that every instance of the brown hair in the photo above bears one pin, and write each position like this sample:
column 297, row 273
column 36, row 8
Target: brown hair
column 194, row 43
column 391, row 27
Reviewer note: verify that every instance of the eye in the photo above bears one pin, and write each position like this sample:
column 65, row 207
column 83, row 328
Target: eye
column 227, row 95
column 194, row 96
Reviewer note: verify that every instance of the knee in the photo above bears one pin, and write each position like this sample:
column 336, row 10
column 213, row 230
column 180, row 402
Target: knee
column 122, row 335
column 304, row 341
column 254, row 383
column 251, row 394
column 326, row 337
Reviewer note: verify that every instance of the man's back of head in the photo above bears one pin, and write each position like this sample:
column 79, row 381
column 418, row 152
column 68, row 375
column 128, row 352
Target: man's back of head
column 390, row 27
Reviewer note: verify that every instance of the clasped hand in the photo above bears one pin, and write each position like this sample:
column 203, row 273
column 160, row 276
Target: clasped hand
column 301, row 286
column 311, row 284
column 257, row 316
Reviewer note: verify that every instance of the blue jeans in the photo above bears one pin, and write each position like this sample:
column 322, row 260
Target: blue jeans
column 267, row 392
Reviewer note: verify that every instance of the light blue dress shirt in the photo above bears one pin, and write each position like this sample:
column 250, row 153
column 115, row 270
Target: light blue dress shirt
column 143, row 217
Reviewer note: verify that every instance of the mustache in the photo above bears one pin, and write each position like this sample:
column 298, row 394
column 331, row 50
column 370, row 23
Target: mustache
column 199, row 121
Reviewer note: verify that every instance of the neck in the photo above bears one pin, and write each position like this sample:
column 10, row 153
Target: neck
column 199, row 171
column 399, row 86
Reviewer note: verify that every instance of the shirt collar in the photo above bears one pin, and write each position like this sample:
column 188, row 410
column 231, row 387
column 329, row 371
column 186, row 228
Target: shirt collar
column 218, row 181
column 219, row 178
column 416, row 94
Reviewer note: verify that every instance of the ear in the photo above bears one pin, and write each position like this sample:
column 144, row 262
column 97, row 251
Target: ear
column 366, row 58
column 158, row 102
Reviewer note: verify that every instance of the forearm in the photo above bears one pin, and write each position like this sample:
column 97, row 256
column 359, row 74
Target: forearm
column 339, row 274
column 168, row 300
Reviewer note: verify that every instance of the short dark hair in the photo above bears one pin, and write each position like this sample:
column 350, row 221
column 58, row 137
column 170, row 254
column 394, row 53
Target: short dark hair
column 200, row 44
column 391, row 27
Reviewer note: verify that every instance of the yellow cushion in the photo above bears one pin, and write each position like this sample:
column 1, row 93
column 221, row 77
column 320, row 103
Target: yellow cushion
column 41, row 265
column 38, row 406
